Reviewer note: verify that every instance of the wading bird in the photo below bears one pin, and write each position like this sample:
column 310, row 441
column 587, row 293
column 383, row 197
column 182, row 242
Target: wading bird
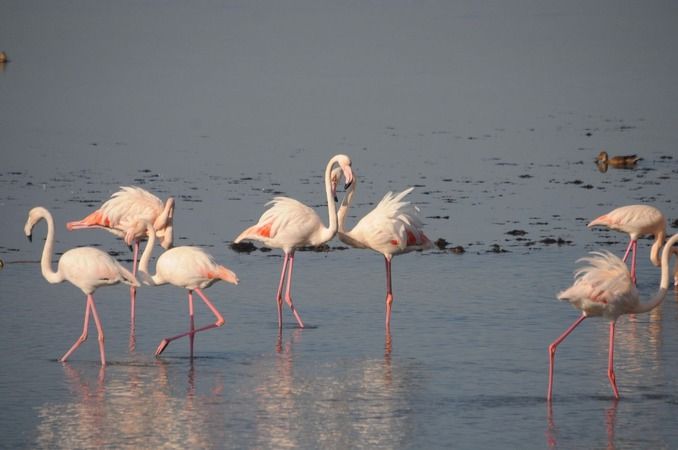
column 636, row 221
column 392, row 228
column 86, row 268
column 125, row 215
column 604, row 289
column 190, row 268
column 289, row 224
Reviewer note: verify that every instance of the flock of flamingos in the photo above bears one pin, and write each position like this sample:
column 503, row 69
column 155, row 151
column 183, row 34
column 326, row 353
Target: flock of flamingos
column 604, row 287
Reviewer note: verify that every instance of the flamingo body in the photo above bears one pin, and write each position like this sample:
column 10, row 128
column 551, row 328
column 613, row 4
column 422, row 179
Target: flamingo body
column 289, row 224
column 605, row 288
column 190, row 268
column 126, row 213
column 636, row 221
column 86, row 268
column 391, row 228
column 89, row 268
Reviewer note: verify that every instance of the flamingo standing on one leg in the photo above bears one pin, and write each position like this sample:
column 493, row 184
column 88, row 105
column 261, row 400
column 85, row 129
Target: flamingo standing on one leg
column 636, row 220
column 605, row 288
column 125, row 215
column 392, row 228
column 190, row 268
column 85, row 267
column 289, row 224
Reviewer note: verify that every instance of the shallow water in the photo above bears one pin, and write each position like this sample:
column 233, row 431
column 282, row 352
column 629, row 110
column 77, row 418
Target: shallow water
column 493, row 112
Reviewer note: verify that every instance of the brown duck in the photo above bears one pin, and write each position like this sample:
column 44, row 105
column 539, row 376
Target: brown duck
column 617, row 161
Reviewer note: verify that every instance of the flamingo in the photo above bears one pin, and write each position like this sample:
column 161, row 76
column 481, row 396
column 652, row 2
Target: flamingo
column 636, row 220
column 86, row 268
column 392, row 228
column 289, row 224
column 605, row 288
column 125, row 215
column 188, row 267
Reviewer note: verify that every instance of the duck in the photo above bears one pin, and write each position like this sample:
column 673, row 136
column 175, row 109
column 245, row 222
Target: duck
column 617, row 161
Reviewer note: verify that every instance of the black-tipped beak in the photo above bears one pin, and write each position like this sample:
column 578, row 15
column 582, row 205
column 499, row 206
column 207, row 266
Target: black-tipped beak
column 131, row 249
column 29, row 237
column 348, row 185
column 336, row 199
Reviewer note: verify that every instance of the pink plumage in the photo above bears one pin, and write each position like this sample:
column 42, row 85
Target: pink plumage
column 392, row 228
column 636, row 221
column 125, row 215
column 604, row 287
column 190, row 268
column 289, row 224
column 87, row 268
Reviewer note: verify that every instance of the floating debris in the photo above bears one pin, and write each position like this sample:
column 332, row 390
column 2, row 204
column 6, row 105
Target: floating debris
column 496, row 248
column 243, row 247
column 458, row 250
column 559, row 241
column 441, row 243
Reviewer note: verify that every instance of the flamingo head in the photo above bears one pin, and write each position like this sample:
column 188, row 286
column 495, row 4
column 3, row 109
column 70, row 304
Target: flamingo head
column 34, row 216
column 335, row 177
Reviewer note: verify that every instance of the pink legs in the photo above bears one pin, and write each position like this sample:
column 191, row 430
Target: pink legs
column 288, row 266
column 633, row 244
column 89, row 308
column 133, row 300
column 220, row 321
column 610, row 361
column 552, row 353
column 389, row 292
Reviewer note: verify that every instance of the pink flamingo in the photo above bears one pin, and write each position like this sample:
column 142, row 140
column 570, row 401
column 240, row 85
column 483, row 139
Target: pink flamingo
column 186, row 267
column 605, row 288
column 636, row 220
column 289, row 224
column 87, row 268
column 392, row 228
column 125, row 215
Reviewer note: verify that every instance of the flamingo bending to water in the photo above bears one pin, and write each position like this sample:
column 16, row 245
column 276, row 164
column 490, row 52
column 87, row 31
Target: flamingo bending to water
column 186, row 267
column 636, row 221
column 85, row 267
column 605, row 288
column 125, row 215
column 392, row 228
column 289, row 224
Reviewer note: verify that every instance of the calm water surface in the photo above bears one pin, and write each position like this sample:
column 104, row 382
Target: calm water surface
column 494, row 112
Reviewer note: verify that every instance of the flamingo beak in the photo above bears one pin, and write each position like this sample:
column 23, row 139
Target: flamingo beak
column 29, row 237
column 348, row 176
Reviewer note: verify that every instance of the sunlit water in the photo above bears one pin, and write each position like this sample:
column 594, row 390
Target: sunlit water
column 493, row 112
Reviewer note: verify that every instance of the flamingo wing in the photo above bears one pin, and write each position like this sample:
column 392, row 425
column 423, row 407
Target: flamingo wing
column 287, row 223
column 603, row 286
column 89, row 268
column 393, row 226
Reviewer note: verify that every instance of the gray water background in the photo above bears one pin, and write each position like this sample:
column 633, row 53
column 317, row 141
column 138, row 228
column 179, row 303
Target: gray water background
column 494, row 111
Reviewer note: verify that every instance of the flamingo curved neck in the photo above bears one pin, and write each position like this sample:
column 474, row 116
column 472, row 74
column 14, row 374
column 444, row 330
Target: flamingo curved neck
column 656, row 247
column 345, row 204
column 664, row 283
column 328, row 233
column 46, row 260
column 149, row 279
